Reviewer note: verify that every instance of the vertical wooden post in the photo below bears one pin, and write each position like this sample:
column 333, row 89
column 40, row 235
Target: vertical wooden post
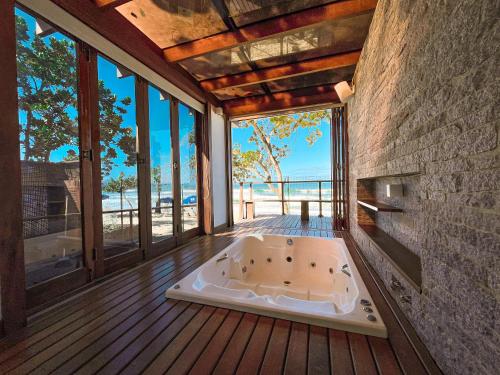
column 87, row 80
column 242, row 213
column 176, row 175
column 143, row 164
column 12, row 272
column 206, row 170
column 345, row 161
column 334, row 167
column 95, row 136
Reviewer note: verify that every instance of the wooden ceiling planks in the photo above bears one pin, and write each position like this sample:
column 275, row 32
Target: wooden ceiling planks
column 107, row 4
column 267, row 28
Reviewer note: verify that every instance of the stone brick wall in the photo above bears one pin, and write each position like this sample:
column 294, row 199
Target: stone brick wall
column 427, row 102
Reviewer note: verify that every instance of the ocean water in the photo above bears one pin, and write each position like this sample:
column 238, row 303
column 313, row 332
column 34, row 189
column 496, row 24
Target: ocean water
column 263, row 194
column 131, row 197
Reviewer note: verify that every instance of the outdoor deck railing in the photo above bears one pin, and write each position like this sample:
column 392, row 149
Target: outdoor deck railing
column 127, row 212
column 317, row 197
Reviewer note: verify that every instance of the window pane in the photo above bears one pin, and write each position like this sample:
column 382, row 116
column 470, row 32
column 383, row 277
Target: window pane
column 187, row 154
column 161, row 165
column 118, row 131
column 49, row 142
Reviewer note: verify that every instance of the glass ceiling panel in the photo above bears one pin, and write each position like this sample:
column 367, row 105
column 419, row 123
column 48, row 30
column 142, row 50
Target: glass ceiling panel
column 325, row 39
column 321, row 40
column 237, row 92
column 170, row 22
column 214, row 64
column 245, row 12
column 314, row 79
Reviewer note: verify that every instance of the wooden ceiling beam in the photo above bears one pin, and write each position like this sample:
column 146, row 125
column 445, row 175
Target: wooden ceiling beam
column 282, row 100
column 114, row 27
column 283, row 71
column 263, row 29
column 106, row 4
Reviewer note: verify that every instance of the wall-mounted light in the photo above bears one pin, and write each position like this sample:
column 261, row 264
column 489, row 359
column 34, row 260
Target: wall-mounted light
column 344, row 91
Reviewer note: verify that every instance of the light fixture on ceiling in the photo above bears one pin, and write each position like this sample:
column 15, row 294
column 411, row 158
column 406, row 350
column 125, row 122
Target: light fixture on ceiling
column 344, row 91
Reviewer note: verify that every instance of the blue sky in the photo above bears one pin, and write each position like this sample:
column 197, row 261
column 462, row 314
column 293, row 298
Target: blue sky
column 303, row 161
column 159, row 118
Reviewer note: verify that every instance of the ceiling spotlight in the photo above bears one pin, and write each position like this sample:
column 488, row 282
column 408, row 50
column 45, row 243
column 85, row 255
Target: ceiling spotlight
column 344, row 91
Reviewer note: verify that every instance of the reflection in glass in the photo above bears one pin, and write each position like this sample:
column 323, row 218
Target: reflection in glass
column 120, row 201
column 50, row 166
column 161, row 165
column 187, row 155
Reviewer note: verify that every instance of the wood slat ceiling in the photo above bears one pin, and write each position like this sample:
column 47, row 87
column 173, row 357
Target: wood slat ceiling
column 249, row 53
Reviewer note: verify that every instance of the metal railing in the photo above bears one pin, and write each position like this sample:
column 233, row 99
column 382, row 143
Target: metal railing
column 280, row 191
column 123, row 214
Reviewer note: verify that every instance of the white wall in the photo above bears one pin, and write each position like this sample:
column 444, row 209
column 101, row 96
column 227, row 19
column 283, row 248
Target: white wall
column 218, row 169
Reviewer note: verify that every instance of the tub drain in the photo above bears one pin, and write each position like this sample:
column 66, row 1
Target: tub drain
column 287, row 282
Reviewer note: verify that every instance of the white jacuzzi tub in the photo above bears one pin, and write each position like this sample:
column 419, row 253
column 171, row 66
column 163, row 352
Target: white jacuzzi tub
column 306, row 279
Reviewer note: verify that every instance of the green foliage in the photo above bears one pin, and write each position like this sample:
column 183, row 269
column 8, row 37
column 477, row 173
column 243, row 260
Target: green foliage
column 156, row 177
column 243, row 163
column 47, row 81
column 269, row 137
column 120, row 184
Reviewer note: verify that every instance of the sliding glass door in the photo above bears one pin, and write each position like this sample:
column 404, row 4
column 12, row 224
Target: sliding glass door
column 188, row 162
column 109, row 163
column 160, row 151
column 118, row 155
column 50, row 152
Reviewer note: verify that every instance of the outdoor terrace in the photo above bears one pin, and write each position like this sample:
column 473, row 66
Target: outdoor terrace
column 130, row 326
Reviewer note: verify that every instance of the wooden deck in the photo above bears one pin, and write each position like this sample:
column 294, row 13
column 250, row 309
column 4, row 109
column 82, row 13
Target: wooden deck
column 126, row 325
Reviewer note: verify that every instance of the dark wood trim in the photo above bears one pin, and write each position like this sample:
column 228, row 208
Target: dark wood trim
column 401, row 333
column 220, row 228
column 283, row 71
column 176, row 175
column 282, row 100
column 53, row 288
column 114, row 27
column 98, row 250
column 124, row 260
column 143, row 162
column 86, row 78
column 229, row 171
column 339, row 170
column 109, row 4
column 200, row 183
column 263, row 29
column 190, row 234
column 161, row 247
column 346, row 168
column 405, row 261
column 206, row 171
column 12, row 272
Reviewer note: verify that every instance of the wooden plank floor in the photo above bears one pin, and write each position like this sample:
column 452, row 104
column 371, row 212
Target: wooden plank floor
column 127, row 326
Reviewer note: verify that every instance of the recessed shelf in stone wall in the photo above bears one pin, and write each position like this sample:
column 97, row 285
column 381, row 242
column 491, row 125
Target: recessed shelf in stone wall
column 406, row 262
column 370, row 209
column 378, row 206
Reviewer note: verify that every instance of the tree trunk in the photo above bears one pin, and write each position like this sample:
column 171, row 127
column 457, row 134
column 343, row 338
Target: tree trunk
column 158, row 201
column 27, row 135
column 269, row 150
